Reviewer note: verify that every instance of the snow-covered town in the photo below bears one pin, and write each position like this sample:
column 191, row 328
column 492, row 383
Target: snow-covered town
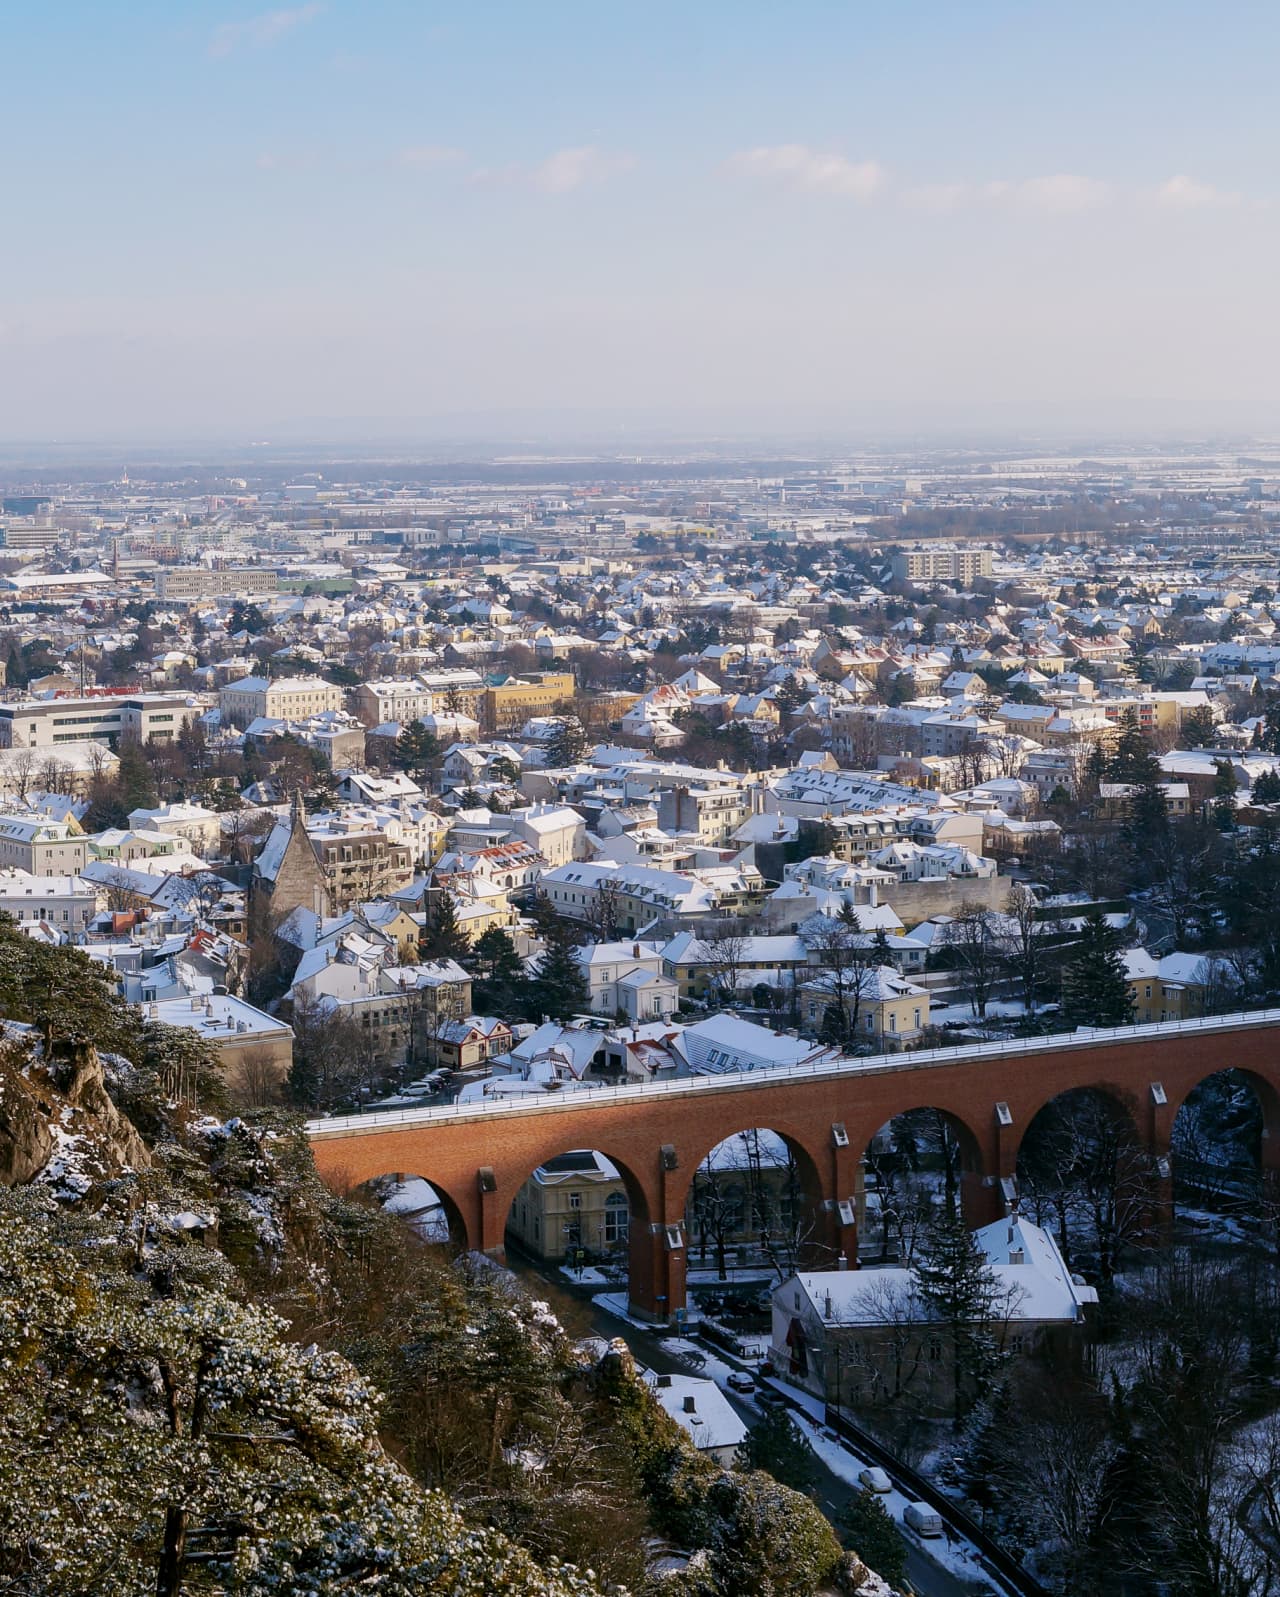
column 640, row 801
column 401, row 800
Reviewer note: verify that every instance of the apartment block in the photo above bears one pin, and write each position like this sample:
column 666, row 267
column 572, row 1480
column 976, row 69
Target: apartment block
column 184, row 583
column 942, row 565
column 46, row 723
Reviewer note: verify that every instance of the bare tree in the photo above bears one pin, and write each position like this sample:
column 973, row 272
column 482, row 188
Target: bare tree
column 918, row 1165
column 716, row 1213
column 860, row 738
column 884, row 1369
column 19, row 768
column 972, row 944
column 749, row 1189
column 1219, row 983
column 121, row 895
column 54, row 775
column 1024, row 943
column 602, row 915
column 1004, row 753
column 723, row 952
column 1082, row 1170
column 329, row 1052
column 847, row 962
column 971, row 761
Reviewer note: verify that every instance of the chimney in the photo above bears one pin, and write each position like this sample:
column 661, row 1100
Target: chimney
column 635, row 950
column 690, row 1406
column 826, row 1308
column 842, row 1263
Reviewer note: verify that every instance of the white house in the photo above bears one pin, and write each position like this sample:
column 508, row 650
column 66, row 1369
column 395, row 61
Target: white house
column 556, row 831
column 723, row 1043
column 702, row 1409
column 67, row 903
column 201, row 827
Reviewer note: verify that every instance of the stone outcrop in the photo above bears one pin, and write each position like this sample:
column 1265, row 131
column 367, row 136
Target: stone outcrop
column 58, row 1104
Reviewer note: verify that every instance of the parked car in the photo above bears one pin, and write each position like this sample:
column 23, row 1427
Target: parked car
column 875, row 1479
column 740, row 1381
column 922, row 1519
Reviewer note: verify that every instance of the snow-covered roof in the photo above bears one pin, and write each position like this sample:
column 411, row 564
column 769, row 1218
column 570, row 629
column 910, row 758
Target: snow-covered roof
column 1038, row 1286
column 701, row 1408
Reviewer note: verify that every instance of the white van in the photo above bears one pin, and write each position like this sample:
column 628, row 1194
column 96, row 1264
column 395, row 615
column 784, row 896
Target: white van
column 922, row 1519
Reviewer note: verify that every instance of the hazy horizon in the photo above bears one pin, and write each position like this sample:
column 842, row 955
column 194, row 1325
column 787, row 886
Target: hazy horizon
column 339, row 223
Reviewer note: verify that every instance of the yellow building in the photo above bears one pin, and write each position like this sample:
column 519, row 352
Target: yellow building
column 1172, row 988
column 574, row 1201
column 507, row 705
column 890, row 1009
column 1158, row 714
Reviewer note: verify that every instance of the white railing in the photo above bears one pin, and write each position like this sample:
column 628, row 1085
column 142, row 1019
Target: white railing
column 777, row 1075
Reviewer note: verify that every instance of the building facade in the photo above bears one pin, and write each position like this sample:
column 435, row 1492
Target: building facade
column 184, row 583
column 47, row 723
column 278, row 699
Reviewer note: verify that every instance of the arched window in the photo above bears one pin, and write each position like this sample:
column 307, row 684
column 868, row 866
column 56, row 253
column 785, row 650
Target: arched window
column 617, row 1219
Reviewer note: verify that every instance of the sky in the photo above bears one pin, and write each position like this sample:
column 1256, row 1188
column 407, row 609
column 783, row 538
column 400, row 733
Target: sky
column 353, row 219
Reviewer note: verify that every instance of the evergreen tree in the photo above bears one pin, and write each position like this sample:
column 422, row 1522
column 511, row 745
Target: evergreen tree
column 1267, row 735
column 224, row 796
column 442, row 937
column 834, row 1030
column 1224, row 787
column 105, row 809
column 775, row 1445
column 569, row 743
column 502, row 769
column 1266, row 790
column 499, row 974
column 960, row 1291
column 1197, row 729
column 1147, row 832
column 1095, row 988
column 416, row 749
column 560, row 987
column 303, row 1083
column 135, row 783
column 1132, row 759
column 868, row 1530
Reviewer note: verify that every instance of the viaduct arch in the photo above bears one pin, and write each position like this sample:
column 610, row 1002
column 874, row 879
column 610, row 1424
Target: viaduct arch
column 479, row 1156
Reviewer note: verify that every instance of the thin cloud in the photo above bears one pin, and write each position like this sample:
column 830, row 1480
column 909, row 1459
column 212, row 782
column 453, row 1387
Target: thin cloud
column 1185, row 193
column 574, row 168
column 797, row 166
column 940, row 198
column 255, row 33
column 1063, row 193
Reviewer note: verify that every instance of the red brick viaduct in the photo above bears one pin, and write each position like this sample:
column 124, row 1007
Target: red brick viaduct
column 478, row 1157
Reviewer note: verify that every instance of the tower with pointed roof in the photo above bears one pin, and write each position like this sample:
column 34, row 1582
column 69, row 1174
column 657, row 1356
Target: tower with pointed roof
column 287, row 874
